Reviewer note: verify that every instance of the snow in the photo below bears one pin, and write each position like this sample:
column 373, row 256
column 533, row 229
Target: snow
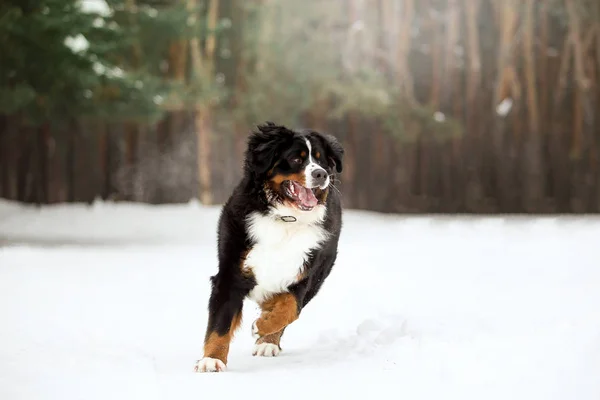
column 226, row 22
column 111, row 72
column 358, row 25
column 439, row 116
column 98, row 23
column 459, row 51
column 77, row 44
column 504, row 107
column 95, row 7
column 151, row 12
column 109, row 301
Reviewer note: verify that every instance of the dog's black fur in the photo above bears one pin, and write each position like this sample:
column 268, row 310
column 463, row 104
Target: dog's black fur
column 272, row 151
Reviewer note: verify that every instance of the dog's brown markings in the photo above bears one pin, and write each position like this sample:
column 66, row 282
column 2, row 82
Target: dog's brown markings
column 278, row 312
column 318, row 155
column 279, row 178
column 274, row 184
column 303, row 154
column 274, row 338
column 216, row 346
column 270, row 172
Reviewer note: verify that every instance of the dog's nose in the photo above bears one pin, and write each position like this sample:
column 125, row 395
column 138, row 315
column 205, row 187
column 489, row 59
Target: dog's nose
column 319, row 176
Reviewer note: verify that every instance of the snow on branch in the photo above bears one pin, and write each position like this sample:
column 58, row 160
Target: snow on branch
column 77, row 44
column 111, row 72
column 504, row 107
column 95, row 6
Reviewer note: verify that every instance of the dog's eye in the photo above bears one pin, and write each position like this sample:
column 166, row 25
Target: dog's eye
column 296, row 160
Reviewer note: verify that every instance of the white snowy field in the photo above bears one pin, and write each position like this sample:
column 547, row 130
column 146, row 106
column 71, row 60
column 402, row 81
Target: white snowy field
column 109, row 302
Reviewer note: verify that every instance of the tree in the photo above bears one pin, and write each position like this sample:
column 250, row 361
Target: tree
column 61, row 60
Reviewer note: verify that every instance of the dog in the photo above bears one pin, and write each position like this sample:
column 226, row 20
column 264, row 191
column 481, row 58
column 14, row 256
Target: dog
column 278, row 238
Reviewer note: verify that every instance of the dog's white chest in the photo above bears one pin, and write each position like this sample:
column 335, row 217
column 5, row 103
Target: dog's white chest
column 279, row 254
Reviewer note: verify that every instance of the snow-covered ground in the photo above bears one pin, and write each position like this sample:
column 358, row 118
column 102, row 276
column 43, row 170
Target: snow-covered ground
column 109, row 302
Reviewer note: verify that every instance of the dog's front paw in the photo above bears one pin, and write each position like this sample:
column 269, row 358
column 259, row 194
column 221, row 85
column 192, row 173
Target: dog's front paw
column 266, row 350
column 208, row 364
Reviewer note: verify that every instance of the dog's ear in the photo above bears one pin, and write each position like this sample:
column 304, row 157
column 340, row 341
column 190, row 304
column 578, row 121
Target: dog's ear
column 264, row 146
column 334, row 151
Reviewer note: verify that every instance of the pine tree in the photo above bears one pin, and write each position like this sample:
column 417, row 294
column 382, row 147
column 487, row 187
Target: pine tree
column 68, row 58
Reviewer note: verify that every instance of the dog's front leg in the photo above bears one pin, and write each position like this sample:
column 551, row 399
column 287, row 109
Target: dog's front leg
column 224, row 317
column 277, row 313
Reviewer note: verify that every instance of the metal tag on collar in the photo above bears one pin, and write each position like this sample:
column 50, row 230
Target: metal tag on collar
column 288, row 218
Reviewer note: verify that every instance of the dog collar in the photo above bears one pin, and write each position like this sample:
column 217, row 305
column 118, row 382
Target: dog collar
column 288, row 218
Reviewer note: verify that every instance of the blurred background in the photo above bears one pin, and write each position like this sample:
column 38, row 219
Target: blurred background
column 453, row 106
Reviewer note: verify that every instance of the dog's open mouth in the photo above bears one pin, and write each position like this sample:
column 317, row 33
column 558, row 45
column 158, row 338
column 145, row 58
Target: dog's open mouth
column 302, row 197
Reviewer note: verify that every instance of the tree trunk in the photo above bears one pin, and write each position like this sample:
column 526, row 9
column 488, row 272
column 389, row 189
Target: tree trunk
column 70, row 161
column 504, row 91
column 162, row 195
column 4, row 158
column 477, row 146
column 534, row 178
column 449, row 74
column 104, row 153
column 131, row 149
column 436, row 65
column 403, row 75
column 43, row 175
column 203, row 71
column 204, row 155
column 131, row 128
column 582, row 83
column 24, row 154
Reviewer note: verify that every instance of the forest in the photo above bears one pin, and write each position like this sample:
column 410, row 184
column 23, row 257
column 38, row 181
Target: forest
column 443, row 106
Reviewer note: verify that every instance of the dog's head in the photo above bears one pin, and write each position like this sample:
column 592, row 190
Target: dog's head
column 294, row 168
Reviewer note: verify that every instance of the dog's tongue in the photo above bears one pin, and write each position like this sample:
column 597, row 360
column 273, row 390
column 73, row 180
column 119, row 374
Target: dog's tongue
column 306, row 196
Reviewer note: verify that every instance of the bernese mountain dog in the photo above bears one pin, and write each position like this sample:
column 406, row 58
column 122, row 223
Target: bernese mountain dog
column 277, row 238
